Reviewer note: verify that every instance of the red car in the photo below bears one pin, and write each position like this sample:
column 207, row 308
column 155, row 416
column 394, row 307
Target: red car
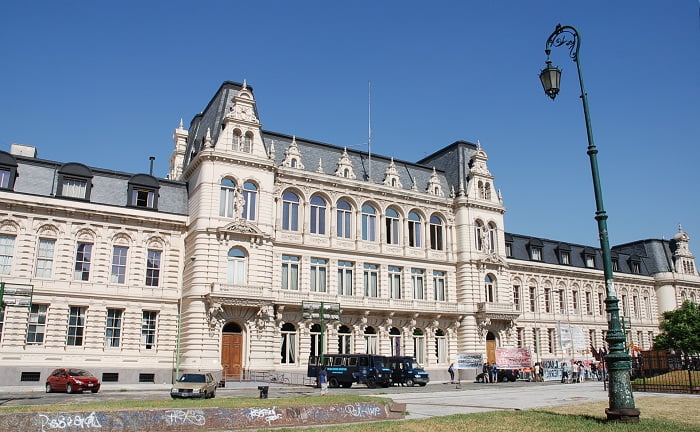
column 72, row 380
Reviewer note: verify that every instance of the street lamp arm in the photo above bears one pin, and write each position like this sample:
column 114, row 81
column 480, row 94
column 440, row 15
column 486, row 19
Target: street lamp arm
column 564, row 36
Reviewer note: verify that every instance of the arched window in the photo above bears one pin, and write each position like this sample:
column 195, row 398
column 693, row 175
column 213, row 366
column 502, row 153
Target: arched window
column 395, row 338
column 392, row 226
column 489, row 288
column 481, row 189
column 290, row 211
column 318, row 215
column 344, row 340
column 369, row 223
column 419, row 345
column 492, row 238
column 315, row 334
column 236, row 266
column 344, row 218
column 440, row 346
column 289, row 344
column 370, row 337
column 479, row 235
column 237, row 140
column 436, row 233
column 247, row 142
column 227, row 198
column 487, row 191
column 415, row 224
column 250, row 198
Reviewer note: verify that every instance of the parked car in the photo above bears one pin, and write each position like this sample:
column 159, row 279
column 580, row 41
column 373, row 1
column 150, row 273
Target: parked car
column 194, row 385
column 406, row 371
column 72, row 380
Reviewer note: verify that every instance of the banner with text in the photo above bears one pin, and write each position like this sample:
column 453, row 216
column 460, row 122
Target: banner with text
column 513, row 358
column 469, row 361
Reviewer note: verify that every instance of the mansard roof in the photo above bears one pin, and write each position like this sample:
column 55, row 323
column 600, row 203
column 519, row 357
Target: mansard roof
column 653, row 255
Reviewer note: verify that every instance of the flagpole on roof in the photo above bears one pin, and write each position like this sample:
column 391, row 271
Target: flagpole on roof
column 369, row 130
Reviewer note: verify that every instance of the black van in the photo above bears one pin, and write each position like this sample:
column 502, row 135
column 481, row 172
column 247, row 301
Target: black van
column 345, row 369
column 406, row 370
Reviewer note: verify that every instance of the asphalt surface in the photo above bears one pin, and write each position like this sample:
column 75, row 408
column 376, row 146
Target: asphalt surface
column 436, row 399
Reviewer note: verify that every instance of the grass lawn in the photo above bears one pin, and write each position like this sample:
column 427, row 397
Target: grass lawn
column 679, row 378
column 658, row 415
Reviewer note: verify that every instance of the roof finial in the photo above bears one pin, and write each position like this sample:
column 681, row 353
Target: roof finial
column 478, row 144
column 680, row 228
column 181, row 126
column 245, row 84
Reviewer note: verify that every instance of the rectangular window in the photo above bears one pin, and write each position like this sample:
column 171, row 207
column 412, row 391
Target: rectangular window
column 439, row 285
column 441, row 349
column 76, row 326
column 143, row 198
column 36, row 328
column 590, row 261
column 369, row 224
column 44, row 258
column 562, row 303
column 290, row 272
column 535, row 253
column 119, row 255
column 509, row 249
column 550, row 340
column 113, row 328
column 394, row 282
column 419, row 349
column 592, row 338
column 615, row 264
column 74, row 188
column 418, row 282
column 547, row 300
column 574, row 300
column 565, row 258
column 516, row 297
column 319, row 271
column 345, row 270
column 4, row 178
column 532, row 299
column 601, row 304
column 82, row 261
column 589, row 303
column 153, row 267
column 7, row 247
column 636, row 267
column 521, row 337
column 148, row 330
column 635, row 306
column 250, row 196
column 288, row 351
column 370, row 280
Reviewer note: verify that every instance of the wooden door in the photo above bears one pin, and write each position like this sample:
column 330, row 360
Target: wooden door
column 491, row 351
column 232, row 354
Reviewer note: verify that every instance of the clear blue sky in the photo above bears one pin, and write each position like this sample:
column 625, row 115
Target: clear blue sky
column 106, row 83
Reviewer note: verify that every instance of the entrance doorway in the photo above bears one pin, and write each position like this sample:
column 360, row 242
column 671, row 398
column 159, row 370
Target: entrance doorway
column 232, row 351
column 491, row 348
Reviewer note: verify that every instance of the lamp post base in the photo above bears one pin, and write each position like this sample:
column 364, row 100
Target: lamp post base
column 623, row 415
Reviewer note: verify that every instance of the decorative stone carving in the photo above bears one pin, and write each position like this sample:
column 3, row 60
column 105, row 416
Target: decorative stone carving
column 434, row 186
column 292, row 156
column 344, row 166
column 391, row 176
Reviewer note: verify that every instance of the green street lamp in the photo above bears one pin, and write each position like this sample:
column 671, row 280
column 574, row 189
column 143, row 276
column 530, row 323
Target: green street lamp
column 618, row 361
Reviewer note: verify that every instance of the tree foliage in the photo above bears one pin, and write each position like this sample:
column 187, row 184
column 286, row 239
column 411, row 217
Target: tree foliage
column 680, row 329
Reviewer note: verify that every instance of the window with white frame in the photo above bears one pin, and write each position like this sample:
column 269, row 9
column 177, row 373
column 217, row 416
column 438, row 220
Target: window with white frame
column 395, row 341
column 250, row 200
column 370, row 338
column 589, row 303
column 44, row 258
column 562, row 299
column 343, row 219
column 647, row 306
column 236, row 266
column 635, row 306
column 36, row 328
column 317, row 223
column 227, row 198
column 418, row 283
column 574, row 300
column 7, row 246
column 247, row 142
column 369, row 223
column 149, row 321
column 113, row 328
column 119, row 257
column 550, row 340
column 533, row 297
column 344, row 340
column 290, row 272
column 370, row 280
column 83, row 258
column 440, row 346
column 76, row 326
column 415, row 228
column 392, row 226
column 601, row 303
column 290, row 211
column 237, row 139
column 288, row 353
column 142, row 196
column 492, row 238
column 590, row 261
column 479, row 235
column 394, row 282
column 520, row 334
column 516, row 296
column 319, row 274
column 345, row 279
column 5, row 176
column 489, row 288
column 419, row 345
column 73, row 187
column 535, row 253
column 153, row 267
column 315, row 339
column 437, row 233
column 439, row 286
column 548, row 300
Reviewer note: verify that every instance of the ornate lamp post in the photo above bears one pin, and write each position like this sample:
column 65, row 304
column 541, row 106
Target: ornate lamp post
column 618, row 360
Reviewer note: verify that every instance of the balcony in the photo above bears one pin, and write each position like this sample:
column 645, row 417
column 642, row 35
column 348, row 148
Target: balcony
column 506, row 311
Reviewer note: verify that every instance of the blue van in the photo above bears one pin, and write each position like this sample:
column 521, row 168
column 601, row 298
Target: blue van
column 346, row 369
column 406, row 371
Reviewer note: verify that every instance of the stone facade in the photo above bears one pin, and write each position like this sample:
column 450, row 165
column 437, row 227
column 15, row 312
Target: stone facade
column 221, row 266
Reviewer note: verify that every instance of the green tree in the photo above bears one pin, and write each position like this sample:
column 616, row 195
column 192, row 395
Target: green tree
column 680, row 329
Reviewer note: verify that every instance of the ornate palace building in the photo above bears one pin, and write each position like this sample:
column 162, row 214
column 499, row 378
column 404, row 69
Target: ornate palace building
column 136, row 277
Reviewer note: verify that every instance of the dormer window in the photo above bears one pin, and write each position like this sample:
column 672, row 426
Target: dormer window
column 143, row 192
column 535, row 247
column 564, row 253
column 635, row 264
column 615, row 263
column 74, row 181
column 8, row 171
column 589, row 257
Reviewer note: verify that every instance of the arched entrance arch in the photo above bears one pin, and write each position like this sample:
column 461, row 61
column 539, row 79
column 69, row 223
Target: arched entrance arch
column 232, row 350
column 491, row 347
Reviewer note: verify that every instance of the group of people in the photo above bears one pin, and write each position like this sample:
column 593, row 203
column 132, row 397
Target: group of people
column 489, row 373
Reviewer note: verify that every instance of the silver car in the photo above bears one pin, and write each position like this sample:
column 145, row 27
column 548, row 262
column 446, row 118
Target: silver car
column 194, row 385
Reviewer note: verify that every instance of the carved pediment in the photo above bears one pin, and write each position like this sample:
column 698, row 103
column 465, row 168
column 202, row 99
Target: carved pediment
column 240, row 227
column 493, row 260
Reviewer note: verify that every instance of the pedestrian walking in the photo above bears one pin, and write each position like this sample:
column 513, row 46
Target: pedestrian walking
column 494, row 374
column 489, row 372
column 451, row 371
column 323, row 380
